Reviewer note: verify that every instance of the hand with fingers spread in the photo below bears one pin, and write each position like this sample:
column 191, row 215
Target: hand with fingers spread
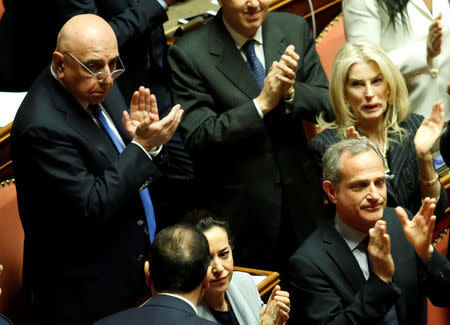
column 430, row 130
column 419, row 230
column 379, row 251
column 276, row 311
column 434, row 39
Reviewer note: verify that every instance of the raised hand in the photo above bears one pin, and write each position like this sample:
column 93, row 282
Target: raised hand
column 276, row 311
column 351, row 133
column 379, row 251
column 434, row 39
column 153, row 134
column 143, row 106
column 430, row 130
column 279, row 82
column 419, row 230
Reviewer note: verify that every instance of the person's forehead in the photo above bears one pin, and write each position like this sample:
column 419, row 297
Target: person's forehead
column 360, row 166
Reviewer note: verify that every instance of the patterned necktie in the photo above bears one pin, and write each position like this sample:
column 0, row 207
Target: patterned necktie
column 390, row 318
column 144, row 194
column 253, row 62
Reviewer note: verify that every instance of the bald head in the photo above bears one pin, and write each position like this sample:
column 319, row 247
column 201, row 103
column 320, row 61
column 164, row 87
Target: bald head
column 84, row 31
column 86, row 45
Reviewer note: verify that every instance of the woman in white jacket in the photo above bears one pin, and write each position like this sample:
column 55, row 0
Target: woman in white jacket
column 416, row 36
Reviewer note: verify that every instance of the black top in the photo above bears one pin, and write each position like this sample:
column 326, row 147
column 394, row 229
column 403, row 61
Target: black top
column 225, row 317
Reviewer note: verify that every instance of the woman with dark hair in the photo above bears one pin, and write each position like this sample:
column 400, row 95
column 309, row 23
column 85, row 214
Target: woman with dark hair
column 416, row 36
column 232, row 297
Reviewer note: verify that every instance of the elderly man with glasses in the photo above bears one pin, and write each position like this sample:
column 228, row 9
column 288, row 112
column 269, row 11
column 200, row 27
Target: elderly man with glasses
column 83, row 163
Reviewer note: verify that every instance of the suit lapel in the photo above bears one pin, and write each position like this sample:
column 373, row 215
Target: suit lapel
column 341, row 255
column 274, row 44
column 230, row 62
column 399, row 154
column 80, row 121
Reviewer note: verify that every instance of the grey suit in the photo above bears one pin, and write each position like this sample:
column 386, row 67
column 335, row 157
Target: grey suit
column 244, row 300
column 254, row 172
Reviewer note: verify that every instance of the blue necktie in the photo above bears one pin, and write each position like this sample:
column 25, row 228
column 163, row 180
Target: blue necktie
column 253, row 62
column 390, row 318
column 145, row 195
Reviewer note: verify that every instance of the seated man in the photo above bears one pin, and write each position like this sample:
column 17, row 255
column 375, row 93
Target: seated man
column 81, row 175
column 337, row 279
column 179, row 275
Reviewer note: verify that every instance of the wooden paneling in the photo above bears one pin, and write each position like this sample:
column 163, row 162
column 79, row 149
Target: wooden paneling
column 6, row 171
column 324, row 10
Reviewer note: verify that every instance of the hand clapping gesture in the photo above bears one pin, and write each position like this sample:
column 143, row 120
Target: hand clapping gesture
column 143, row 124
column 419, row 230
column 379, row 251
column 434, row 39
column 429, row 131
column 276, row 311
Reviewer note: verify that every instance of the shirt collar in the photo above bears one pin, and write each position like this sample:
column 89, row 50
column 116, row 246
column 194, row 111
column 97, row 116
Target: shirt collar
column 182, row 298
column 352, row 236
column 239, row 39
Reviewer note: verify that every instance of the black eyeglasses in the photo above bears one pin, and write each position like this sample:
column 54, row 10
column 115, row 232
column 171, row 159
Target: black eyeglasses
column 101, row 74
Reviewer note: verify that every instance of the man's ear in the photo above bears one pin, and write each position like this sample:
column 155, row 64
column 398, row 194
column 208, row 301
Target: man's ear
column 205, row 283
column 58, row 64
column 330, row 190
column 147, row 273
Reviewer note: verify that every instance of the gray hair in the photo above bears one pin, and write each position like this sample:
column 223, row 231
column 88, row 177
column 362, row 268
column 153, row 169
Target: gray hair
column 331, row 160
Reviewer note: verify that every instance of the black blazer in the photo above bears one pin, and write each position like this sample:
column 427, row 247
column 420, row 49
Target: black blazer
column 79, row 205
column 159, row 310
column 404, row 189
column 328, row 287
column 243, row 163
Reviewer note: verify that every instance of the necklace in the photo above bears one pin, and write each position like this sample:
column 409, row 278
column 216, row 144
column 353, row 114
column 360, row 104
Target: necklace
column 386, row 167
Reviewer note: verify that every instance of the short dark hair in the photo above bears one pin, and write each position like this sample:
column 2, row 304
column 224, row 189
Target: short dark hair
column 179, row 259
column 203, row 220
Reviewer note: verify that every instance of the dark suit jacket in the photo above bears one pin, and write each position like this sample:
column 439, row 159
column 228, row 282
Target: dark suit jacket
column 79, row 205
column 445, row 146
column 159, row 310
column 243, row 163
column 404, row 189
column 328, row 286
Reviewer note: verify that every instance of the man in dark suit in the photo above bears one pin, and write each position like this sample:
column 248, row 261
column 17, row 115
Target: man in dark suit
column 138, row 26
column 179, row 274
column 243, row 129
column 79, row 201
column 339, row 278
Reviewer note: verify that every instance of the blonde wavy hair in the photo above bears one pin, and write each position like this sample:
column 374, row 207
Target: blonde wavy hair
column 398, row 102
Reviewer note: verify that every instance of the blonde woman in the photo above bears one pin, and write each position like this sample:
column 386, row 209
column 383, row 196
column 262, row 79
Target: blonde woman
column 370, row 98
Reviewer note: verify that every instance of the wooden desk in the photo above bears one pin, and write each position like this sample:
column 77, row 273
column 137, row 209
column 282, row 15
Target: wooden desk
column 266, row 286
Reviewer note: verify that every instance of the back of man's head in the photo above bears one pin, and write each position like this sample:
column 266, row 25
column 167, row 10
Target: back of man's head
column 179, row 259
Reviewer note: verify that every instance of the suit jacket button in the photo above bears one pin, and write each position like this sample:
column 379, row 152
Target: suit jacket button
column 140, row 223
column 140, row 258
